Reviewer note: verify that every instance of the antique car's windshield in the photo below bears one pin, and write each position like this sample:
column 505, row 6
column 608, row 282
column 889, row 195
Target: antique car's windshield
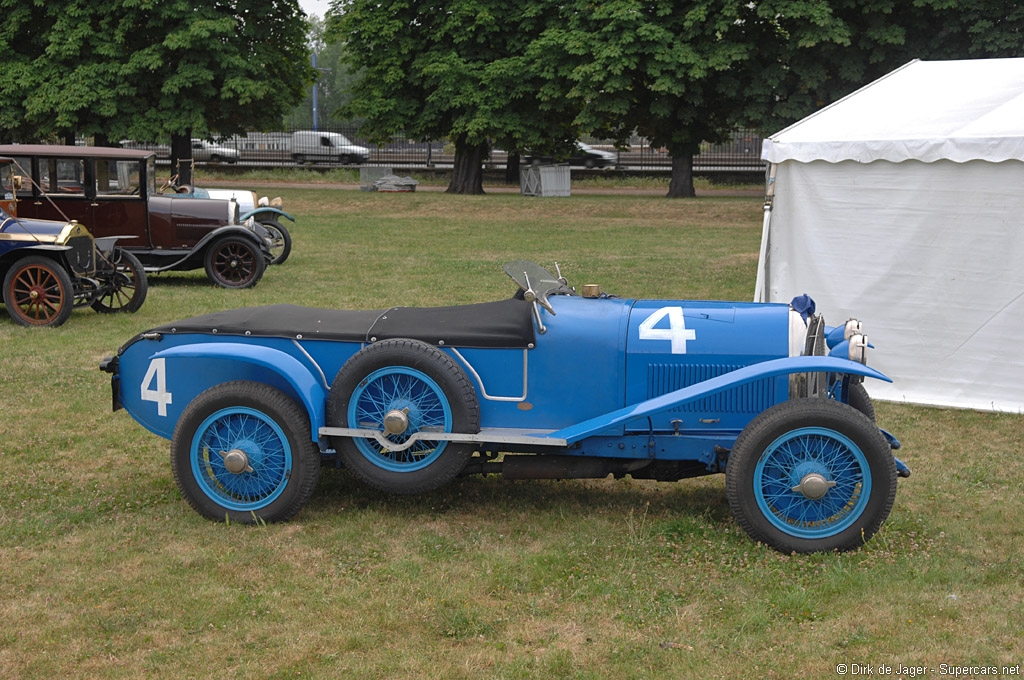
column 541, row 281
column 151, row 175
column 6, row 181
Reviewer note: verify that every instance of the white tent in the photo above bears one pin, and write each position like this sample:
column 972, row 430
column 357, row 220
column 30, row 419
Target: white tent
column 903, row 205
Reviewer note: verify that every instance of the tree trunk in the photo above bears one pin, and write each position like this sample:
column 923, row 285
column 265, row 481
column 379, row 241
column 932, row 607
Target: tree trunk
column 68, row 137
column 467, row 173
column 512, row 169
column 101, row 139
column 181, row 158
column 681, row 185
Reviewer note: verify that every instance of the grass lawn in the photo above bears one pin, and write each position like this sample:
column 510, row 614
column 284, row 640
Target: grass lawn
column 105, row 572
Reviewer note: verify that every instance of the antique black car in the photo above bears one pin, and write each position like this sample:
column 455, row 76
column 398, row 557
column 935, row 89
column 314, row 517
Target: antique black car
column 114, row 192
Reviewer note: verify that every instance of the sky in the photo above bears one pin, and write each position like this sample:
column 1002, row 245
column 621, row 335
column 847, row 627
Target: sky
column 317, row 7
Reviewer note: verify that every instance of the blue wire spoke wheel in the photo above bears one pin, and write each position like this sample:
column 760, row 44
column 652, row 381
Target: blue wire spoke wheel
column 401, row 387
column 243, row 451
column 262, row 452
column 810, row 455
column 811, row 475
column 412, row 400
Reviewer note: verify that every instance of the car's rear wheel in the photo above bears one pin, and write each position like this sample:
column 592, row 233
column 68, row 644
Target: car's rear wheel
column 234, row 262
column 281, row 241
column 401, row 388
column 243, row 451
column 811, row 475
column 38, row 292
column 123, row 284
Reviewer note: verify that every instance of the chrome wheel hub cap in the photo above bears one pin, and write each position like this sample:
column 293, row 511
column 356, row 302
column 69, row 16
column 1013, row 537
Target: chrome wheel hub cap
column 813, row 486
column 236, row 461
column 396, row 421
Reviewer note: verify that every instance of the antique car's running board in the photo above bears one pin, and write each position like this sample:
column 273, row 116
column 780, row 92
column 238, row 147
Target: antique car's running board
column 488, row 435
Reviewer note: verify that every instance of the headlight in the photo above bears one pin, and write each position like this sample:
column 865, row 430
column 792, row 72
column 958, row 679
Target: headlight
column 858, row 350
column 853, row 327
column 276, row 202
column 263, row 202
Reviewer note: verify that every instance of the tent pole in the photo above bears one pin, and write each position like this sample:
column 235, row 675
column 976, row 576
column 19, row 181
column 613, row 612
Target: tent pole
column 769, row 199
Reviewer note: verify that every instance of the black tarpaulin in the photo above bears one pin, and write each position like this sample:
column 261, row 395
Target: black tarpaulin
column 502, row 324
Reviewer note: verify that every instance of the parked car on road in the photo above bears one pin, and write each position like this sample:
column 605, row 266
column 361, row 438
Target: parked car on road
column 547, row 384
column 310, row 145
column 582, row 154
column 50, row 267
column 114, row 192
column 203, row 150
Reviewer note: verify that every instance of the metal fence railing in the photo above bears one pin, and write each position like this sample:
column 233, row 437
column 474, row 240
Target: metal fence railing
column 343, row 146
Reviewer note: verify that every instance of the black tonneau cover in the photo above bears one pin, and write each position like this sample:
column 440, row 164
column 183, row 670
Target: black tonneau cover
column 502, row 324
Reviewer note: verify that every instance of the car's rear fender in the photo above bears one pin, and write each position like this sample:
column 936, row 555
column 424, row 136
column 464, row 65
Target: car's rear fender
column 156, row 387
column 747, row 374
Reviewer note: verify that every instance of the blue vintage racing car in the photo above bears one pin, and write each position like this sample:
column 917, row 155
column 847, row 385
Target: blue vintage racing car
column 551, row 383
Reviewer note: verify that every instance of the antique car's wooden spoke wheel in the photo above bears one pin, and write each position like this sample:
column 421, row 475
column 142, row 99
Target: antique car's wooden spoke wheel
column 234, row 262
column 401, row 387
column 38, row 292
column 123, row 284
column 811, row 475
column 244, row 450
column 281, row 241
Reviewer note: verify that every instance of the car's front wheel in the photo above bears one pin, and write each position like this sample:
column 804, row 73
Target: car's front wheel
column 281, row 241
column 242, row 451
column 811, row 475
column 234, row 262
column 123, row 284
column 38, row 292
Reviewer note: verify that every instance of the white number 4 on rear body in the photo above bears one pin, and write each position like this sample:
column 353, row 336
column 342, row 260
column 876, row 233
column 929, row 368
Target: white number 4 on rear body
column 677, row 333
column 157, row 372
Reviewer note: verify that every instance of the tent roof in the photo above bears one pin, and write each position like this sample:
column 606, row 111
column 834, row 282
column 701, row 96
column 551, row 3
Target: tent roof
column 925, row 111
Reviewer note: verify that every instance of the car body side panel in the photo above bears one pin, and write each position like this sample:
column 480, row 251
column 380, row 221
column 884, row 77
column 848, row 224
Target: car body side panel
column 574, row 372
column 674, row 344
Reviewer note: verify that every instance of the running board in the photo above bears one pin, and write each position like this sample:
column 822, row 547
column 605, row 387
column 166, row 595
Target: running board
column 486, row 435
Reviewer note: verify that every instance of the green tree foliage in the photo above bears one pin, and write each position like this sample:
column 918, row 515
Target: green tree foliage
column 468, row 70
column 808, row 61
column 149, row 69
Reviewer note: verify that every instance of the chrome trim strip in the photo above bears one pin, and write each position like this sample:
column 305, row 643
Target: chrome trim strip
column 480, row 382
column 488, row 435
column 319, row 370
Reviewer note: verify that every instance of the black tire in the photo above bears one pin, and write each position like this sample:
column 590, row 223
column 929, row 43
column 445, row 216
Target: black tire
column 215, row 158
column 234, row 262
column 427, row 465
column 299, row 158
column 38, row 292
column 123, row 284
column 278, row 488
column 860, row 400
column 282, row 241
column 589, row 163
column 772, row 512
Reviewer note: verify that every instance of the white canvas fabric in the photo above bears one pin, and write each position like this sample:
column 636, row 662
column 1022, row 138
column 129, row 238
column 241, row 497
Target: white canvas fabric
column 903, row 204
column 927, row 111
column 930, row 256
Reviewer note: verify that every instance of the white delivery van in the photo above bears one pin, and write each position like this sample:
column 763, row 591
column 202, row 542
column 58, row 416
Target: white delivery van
column 310, row 145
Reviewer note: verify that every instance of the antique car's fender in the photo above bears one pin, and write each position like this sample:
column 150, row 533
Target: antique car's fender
column 224, row 361
column 199, row 249
column 265, row 212
column 747, row 374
